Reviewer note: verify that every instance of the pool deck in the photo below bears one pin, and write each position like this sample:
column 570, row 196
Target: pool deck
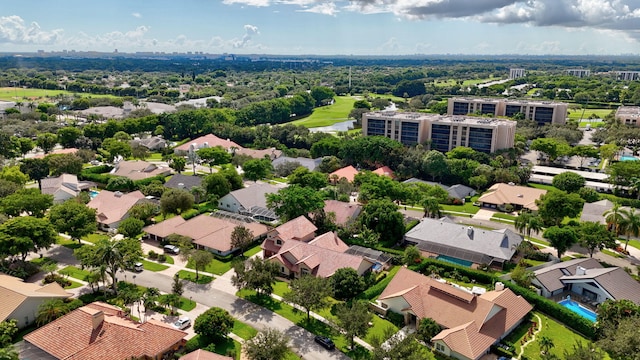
column 591, row 305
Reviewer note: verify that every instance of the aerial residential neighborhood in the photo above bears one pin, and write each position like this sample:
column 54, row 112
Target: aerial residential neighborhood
column 160, row 205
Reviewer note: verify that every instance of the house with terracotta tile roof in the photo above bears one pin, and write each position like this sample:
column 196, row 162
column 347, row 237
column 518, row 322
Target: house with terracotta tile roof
column 206, row 141
column 587, row 280
column 520, row 197
column 472, row 322
column 113, row 207
column 321, row 257
column 207, row 232
column 384, row 171
column 300, row 229
column 64, row 187
column 99, row 331
column 67, row 151
column 20, row 300
column 344, row 212
column 138, row 170
column 348, row 172
column 204, row 355
column 270, row 153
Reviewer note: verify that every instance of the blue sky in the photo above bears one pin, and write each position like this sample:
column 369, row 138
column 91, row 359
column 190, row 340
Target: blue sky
column 321, row 27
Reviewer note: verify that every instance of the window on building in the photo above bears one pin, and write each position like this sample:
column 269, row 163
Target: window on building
column 439, row 347
column 278, row 242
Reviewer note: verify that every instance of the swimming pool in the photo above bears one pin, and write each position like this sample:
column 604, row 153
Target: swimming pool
column 628, row 158
column 453, row 260
column 578, row 309
column 93, row 193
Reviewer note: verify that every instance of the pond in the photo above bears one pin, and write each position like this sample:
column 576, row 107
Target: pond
column 341, row 126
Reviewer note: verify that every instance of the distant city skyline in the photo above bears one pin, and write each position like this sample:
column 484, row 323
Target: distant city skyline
column 319, row 27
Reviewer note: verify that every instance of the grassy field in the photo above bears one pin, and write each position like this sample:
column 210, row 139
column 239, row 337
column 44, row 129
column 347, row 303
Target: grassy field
column 328, row 115
column 191, row 276
column 575, row 114
column 95, row 237
column 20, row 94
column 152, row 266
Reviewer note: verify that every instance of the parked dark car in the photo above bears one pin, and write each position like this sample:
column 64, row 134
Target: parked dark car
column 325, row 342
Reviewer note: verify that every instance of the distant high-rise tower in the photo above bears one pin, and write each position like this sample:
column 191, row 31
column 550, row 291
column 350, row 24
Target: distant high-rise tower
column 516, row 73
column 579, row 72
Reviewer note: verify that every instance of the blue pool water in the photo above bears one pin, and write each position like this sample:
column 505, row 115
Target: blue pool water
column 580, row 310
column 453, row 260
column 93, row 193
column 628, row 158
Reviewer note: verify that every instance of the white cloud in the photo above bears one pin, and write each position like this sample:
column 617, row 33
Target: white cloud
column 256, row 3
column 324, row 8
column 136, row 15
column 13, row 30
column 249, row 31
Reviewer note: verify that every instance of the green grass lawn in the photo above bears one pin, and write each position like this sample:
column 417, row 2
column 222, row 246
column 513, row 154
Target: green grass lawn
column 593, row 124
column 19, row 94
column 281, row 288
column 169, row 259
column 185, row 304
column 328, row 115
column 562, row 338
column 152, row 266
column 611, row 253
column 74, row 285
column 254, row 250
column 575, row 114
column 467, row 207
column 191, row 276
column 68, row 243
column 633, row 243
column 542, row 186
column 504, row 216
column 154, row 157
column 95, row 237
column 215, row 267
column 74, row 272
column 43, row 261
column 243, row 330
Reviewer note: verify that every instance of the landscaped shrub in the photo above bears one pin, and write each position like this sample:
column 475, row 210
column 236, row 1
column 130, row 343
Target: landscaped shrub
column 19, row 268
column 153, row 255
column 190, row 214
column 477, row 275
column 502, row 351
column 377, row 289
column 395, row 318
column 58, row 279
column 144, row 182
column 162, row 258
column 410, row 225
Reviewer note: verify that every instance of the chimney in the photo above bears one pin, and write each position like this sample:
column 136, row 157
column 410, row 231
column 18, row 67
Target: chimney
column 581, row 271
column 97, row 319
column 181, row 186
column 499, row 286
column 470, row 232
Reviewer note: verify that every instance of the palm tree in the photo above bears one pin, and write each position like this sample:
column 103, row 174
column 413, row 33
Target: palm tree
column 630, row 224
column 613, row 217
column 431, row 207
column 546, row 344
column 527, row 223
column 51, row 310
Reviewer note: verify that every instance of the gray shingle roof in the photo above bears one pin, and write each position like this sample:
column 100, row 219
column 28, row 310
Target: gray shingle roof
column 187, row 181
column 614, row 280
column 310, row 164
column 460, row 191
column 594, row 211
column 464, row 242
column 254, row 195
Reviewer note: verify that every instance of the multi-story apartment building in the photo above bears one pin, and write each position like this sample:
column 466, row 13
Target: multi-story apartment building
column 629, row 115
column 628, row 75
column 579, row 72
column 542, row 112
column 444, row 132
column 516, row 73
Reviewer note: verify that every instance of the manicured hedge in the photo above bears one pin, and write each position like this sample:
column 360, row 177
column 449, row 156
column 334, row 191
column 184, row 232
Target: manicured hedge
column 144, row 182
column 97, row 169
column 555, row 310
column 477, row 275
column 375, row 290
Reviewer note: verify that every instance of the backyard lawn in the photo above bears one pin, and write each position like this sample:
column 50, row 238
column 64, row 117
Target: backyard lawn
column 254, row 250
column 330, row 114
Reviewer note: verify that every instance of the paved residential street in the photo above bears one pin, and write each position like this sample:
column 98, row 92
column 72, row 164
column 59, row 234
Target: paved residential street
column 219, row 293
